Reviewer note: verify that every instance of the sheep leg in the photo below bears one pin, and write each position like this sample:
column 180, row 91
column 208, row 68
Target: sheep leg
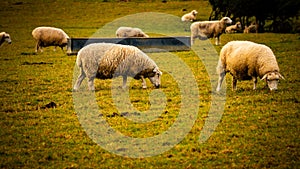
column 79, row 80
column 91, row 84
column 192, row 40
column 144, row 84
column 221, row 78
column 124, row 82
column 37, row 46
column 234, row 81
column 254, row 82
column 217, row 40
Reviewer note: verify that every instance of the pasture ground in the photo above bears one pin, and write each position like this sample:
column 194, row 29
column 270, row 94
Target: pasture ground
column 258, row 129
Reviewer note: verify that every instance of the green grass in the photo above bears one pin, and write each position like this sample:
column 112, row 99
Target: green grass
column 258, row 129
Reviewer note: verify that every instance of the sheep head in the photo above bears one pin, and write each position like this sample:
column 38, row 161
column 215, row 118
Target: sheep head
column 194, row 12
column 272, row 79
column 226, row 20
column 238, row 25
column 155, row 77
column 6, row 37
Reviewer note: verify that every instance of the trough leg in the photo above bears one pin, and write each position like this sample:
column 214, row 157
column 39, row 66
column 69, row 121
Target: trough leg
column 221, row 78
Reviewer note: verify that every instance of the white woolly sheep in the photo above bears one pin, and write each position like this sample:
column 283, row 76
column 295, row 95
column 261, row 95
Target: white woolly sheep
column 106, row 61
column 189, row 17
column 209, row 29
column 49, row 36
column 234, row 28
column 5, row 37
column 123, row 32
column 251, row 29
column 248, row 60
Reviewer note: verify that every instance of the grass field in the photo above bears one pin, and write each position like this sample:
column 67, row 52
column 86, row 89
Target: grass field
column 258, row 129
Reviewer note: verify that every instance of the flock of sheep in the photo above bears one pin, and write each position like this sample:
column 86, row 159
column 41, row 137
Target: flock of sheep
column 244, row 60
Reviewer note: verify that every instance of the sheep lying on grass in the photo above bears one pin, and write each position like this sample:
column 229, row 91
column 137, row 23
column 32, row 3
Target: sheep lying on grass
column 123, row 32
column 5, row 37
column 49, row 36
column 189, row 17
column 248, row 60
column 251, row 29
column 209, row 29
column 106, row 61
column 234, row 28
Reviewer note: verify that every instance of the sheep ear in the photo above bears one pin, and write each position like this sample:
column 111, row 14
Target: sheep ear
column 265, row 76
column 281, row 76
column 156, row 70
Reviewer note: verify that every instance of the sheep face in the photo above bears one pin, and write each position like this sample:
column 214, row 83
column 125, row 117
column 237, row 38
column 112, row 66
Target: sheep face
column 272, row 79
column 227, row 20
column 155, row 77
column 194, row 12
column 238, row 25
column 6, row 38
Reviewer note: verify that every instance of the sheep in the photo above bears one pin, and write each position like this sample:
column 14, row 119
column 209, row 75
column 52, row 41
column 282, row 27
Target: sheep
column 247, row 60
column 189, row 17
column 233, row 28
column 107, row 61
column 251, row 29
column 123, row 32
column 49, row 36
column 5, row 37
column 209, row 29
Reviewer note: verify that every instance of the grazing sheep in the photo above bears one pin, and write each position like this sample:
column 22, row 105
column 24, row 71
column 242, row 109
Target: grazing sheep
column 209, row 29
column 123, row 32
column 106, row 61
column 248, row 60
column 49, row 36
column 251, row 29
column 189, row 17
column 234, row 28
column 5, row 37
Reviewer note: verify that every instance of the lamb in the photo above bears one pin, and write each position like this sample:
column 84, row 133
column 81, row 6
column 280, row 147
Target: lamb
column 209, row 29
column 123, row 32
column 106, row 61
column 189, row 17
column 49, row 36
column 5, row 37
column 251, row 29
column 233, row 28
column 247, row 60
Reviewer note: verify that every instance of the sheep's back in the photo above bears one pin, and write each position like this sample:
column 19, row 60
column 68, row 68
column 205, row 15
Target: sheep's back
column 50, row 34
column 88, row 57
column 124, row 60
column 207, row 27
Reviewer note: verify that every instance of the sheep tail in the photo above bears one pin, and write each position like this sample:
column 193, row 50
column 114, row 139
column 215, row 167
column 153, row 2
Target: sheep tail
column 78, row 60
